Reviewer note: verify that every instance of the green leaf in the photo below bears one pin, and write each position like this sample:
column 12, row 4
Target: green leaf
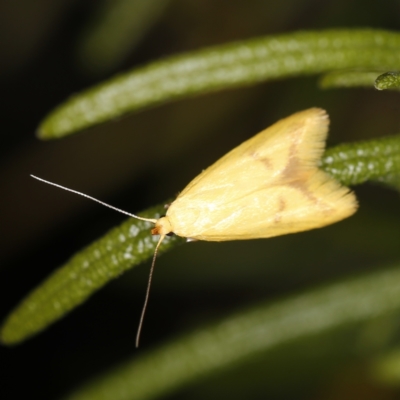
column 220, row 67
column 122, row 248
column 370, row 160
column 254, row 332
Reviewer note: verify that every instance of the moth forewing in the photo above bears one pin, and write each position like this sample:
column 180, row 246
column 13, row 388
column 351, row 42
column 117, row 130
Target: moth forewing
column 269, row 185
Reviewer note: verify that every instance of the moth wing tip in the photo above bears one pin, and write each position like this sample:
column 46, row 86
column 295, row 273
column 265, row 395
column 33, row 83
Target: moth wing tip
column 341, row 198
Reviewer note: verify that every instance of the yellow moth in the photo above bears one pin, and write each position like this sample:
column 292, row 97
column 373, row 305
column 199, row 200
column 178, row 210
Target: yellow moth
column 269, row 185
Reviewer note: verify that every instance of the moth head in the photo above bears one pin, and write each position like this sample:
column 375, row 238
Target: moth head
column 162, row 227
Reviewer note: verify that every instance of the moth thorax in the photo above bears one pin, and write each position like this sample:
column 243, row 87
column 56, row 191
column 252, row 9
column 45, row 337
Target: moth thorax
column 163, row 227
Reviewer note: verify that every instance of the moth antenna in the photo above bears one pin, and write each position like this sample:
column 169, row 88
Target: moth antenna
column 96, row 200
column 146, row 299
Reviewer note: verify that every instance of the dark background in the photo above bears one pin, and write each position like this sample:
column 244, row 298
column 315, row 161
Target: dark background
column 146, row 158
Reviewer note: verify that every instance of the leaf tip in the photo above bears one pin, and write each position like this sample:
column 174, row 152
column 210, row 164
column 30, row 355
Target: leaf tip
column 388, row 80
column 7, row 336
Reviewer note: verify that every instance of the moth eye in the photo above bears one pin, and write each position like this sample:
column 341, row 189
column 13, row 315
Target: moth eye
column 171, row 234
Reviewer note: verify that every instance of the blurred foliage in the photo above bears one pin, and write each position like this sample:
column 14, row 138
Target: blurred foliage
column 343, row 79
column 116, row 29
column 144, row 158
column 388, row 80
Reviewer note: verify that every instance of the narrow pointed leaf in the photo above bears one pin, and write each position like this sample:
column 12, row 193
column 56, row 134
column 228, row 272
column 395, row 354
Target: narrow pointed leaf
column 220, row 67
column 122, row 248
column 251, row 333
